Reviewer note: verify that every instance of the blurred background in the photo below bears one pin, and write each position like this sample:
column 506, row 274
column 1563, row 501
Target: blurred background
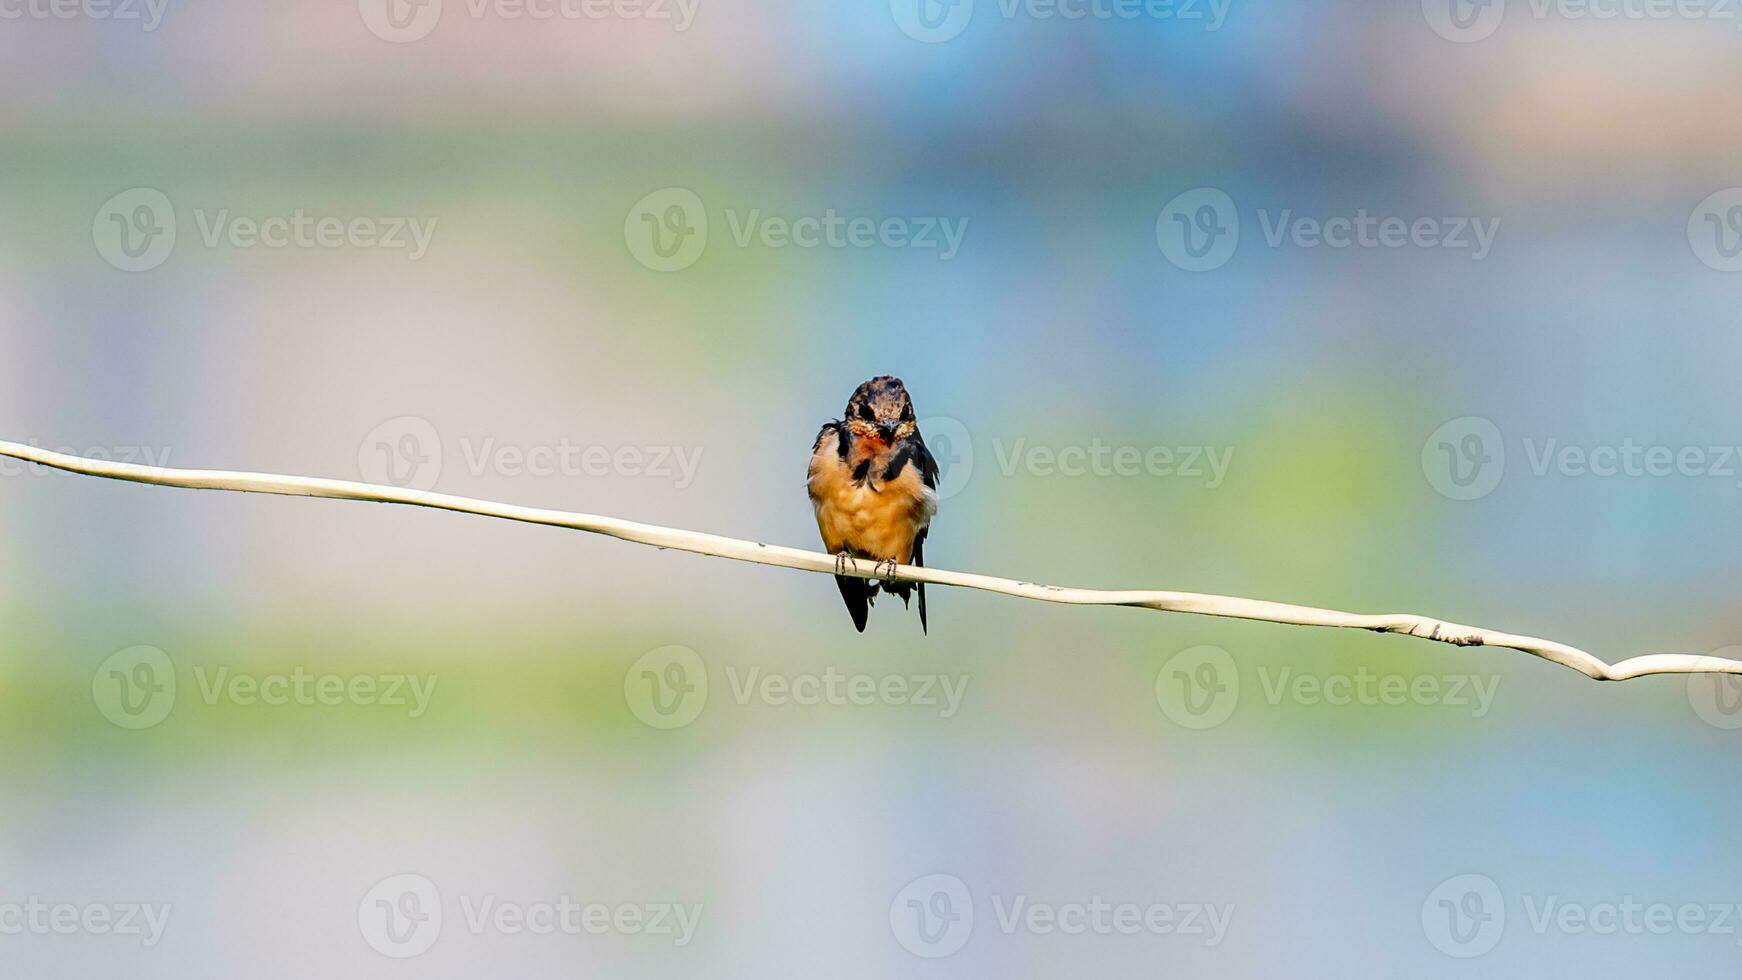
column 1382, row 307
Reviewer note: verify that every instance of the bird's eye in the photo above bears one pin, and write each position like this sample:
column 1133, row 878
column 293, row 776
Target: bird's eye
column 865, row 413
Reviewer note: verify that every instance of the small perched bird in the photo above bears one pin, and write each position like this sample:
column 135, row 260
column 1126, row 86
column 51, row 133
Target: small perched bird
column 874, row 486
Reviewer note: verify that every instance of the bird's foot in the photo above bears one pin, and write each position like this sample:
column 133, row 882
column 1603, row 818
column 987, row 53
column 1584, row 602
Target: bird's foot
column 841, row 561
column 886, row 569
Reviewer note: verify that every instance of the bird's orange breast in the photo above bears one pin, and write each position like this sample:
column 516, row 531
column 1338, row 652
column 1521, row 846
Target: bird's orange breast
column 869, row 518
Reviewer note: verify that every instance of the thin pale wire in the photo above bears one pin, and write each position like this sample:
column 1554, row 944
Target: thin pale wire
column 812, row 561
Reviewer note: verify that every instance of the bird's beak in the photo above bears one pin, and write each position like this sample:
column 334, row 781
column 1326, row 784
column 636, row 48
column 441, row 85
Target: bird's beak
column 888, row 430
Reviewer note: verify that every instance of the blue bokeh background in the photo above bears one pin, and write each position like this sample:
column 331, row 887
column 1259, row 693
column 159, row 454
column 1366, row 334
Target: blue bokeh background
column 1327, row 378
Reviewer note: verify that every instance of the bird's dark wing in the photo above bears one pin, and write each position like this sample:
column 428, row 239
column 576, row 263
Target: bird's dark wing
column 856, row 593
column 928, row 466
column 919, row 561
column 928, row 471
column 912, row 450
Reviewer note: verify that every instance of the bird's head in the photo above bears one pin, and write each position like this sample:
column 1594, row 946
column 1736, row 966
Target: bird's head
column 881, row 409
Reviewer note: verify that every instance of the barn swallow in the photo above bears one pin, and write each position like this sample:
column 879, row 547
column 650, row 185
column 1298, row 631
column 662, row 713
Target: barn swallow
column 874, row 486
